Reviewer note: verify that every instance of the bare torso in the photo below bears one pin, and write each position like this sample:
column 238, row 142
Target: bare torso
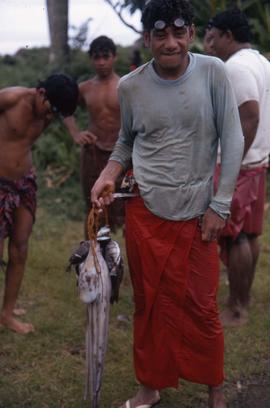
column 101, row 100
column 20, row 126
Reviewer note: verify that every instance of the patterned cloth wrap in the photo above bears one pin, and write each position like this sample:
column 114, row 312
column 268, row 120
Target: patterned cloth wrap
column 14, row 194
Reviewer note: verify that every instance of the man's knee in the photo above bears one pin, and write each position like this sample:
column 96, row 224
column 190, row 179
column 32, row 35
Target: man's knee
column 18, row 251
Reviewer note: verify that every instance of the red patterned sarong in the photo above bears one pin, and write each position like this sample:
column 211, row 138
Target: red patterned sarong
column 14, row 194
column 247, row 208
column 177, row 332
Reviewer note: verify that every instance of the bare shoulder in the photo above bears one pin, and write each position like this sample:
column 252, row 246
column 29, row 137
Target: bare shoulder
column 116, row 77
column 85, row 89
column 86, row 86
column 15, row 91
column 13, row 95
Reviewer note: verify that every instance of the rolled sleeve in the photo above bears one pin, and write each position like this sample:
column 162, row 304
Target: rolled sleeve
column 231, row 142
column 122, row 151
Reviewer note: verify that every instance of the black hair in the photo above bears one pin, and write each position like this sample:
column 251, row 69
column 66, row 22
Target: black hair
column 62, row 92
column 102, row 44
column 166, row 10
column 136, row 58
column 236, row 21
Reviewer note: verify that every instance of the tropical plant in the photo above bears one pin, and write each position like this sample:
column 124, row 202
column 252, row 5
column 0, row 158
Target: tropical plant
column 131, row 5
column 79, row 38
column 258, row 12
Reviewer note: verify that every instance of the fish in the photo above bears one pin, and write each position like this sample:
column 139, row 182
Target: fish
column 78, row 256
column 99, row 268
column 114, row 261
column 111, row 253
column 94, row 287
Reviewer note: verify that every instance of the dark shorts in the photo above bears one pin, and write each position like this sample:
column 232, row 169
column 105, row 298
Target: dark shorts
column 15, row 194
column 92, row 162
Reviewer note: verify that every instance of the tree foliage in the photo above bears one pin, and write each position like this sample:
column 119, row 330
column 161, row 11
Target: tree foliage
column 131, row 5
column 79, row 38
column 259, row 15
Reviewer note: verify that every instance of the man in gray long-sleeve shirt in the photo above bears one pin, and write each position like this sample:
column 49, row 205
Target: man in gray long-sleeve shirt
column 175, row 109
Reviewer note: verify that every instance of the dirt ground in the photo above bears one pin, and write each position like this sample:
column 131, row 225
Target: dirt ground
column 253, row 392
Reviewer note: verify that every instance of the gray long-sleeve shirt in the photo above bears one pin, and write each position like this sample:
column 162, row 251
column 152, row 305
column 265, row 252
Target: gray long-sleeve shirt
column 171, row 129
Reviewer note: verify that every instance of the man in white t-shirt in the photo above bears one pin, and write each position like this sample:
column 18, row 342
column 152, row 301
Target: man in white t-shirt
column 249, row 73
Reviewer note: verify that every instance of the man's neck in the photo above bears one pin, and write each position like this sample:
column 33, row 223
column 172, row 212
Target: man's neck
column 237, row 47
column 106, row 78
column 174, row 73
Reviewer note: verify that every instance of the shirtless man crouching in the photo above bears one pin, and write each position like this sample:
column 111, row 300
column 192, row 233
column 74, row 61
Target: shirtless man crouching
column 99, row 95
column 24, row 114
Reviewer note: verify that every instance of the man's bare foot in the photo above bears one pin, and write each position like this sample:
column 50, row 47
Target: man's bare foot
column 224, row 301
column 216, row 398
column 19, row 311
column 15, row 325
column 234, row 317
column 144, row 396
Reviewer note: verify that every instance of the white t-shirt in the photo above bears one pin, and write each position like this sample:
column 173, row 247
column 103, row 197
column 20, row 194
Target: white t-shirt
column 249, row 72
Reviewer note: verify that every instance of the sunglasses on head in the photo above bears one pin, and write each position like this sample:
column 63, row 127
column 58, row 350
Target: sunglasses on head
column 53, row 108
column 161, row 24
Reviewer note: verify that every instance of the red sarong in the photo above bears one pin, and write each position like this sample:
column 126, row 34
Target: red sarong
column 177, row 332
column 14, row 194
column 247, row 207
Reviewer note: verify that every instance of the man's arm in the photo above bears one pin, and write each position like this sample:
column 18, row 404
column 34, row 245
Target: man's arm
column 249, row 117
column 80, row 137
column 231, row 141
column 246, row 91
column 102, row 192
column 212, row 223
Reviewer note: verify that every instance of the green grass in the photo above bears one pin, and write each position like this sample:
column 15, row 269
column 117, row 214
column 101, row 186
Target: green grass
column 46, row 369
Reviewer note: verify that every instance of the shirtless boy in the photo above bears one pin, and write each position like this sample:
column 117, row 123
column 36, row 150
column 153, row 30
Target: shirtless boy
column 24, row 114
column 99, row 95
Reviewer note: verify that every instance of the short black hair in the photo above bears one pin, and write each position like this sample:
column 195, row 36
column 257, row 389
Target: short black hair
column 102, row 44
column 236, row 21
column 166, row 10
column 62, row 92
